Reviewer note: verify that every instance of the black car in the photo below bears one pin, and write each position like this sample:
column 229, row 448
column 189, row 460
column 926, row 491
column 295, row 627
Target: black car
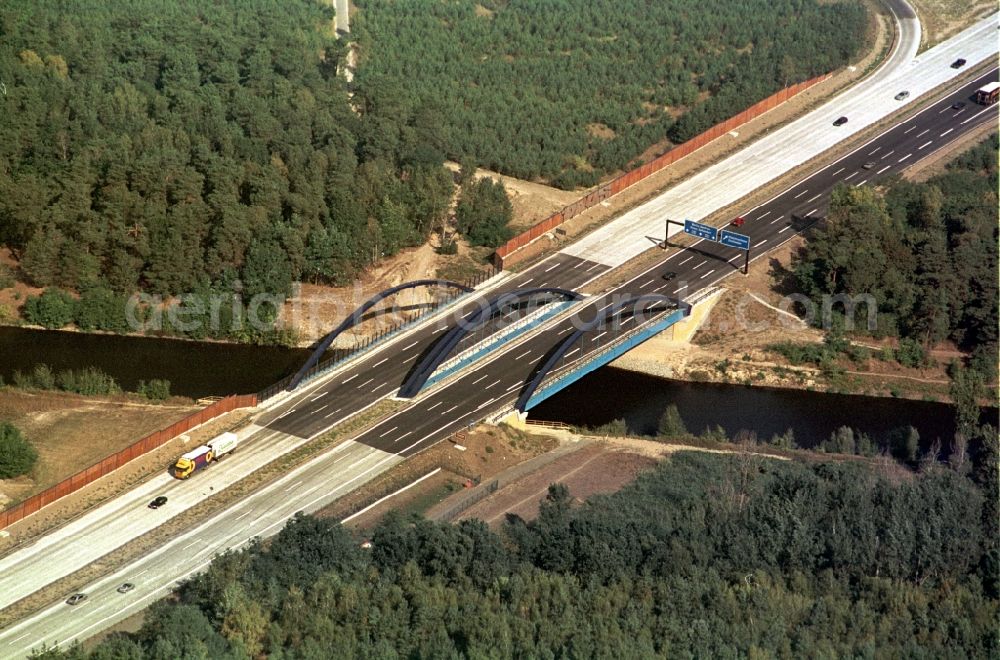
column 869, row 165
column 840, row 121
column 958, row 105
column 76, row 598
column 669, row 275
column 125, row 588
column 902, row 95
column 158, row 502
column 958, row 64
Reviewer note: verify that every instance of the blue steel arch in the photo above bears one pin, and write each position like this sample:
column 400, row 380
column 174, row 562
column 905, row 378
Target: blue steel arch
column 358, row 315
column 568, row 342
column 423, row 370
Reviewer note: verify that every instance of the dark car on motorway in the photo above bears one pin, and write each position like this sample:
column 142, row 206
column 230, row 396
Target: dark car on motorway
column 902, row 95
column 867, row 166
column 125, row 588
column 76, row 598
column 840, row 121
column 958, row 105
column 958, row 64
column 669, row 275
column 158, row 502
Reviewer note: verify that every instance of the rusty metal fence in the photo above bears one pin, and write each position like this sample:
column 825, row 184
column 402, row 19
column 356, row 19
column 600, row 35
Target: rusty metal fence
column 634, row 176
column 117, row 460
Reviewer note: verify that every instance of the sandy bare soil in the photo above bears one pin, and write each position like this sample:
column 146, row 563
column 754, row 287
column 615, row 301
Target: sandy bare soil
column 72, row 432
column 941, row 19
column 94, row 424
column 594, row 469
column 487, row 451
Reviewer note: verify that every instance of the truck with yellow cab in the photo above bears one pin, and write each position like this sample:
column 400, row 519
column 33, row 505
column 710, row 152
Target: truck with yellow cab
column 202, row 456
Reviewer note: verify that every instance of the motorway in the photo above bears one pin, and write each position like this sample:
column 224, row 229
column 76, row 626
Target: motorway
column 493, row 384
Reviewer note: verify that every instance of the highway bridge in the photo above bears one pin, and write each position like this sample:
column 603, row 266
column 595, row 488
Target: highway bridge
column 489, row 385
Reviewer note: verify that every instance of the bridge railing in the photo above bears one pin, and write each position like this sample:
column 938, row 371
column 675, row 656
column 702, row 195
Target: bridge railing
column 342, row 355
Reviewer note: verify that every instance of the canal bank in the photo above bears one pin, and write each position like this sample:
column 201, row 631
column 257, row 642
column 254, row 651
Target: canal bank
column 610, row 394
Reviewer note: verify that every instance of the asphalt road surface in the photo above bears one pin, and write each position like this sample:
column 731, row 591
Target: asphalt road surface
column 492, row 384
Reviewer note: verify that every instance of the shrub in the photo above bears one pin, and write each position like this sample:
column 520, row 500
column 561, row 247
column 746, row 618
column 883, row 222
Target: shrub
column 55, row 308
column 671, row 425
column 155, row 390
column 17, row 456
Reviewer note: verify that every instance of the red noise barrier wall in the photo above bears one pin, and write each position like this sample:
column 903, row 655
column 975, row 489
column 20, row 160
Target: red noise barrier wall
column 629, row 178
column 115, row 461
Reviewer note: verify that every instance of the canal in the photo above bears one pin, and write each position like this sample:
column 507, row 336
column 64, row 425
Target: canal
column 609, row 394
column 194, row 369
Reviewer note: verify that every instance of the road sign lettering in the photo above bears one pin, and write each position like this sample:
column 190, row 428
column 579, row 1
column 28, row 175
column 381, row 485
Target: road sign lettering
column 700, row 230
column 732, row 239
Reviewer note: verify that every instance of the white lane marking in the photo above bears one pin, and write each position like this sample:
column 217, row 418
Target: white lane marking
column 345, row 382
column 555, row 265
column 643, row 286
column 435, row 406
column 322, row 409
column 389, row 431
column 809, row 214
column 406, row 348
column 686, row 260
column 364, row 383
column 527, row 281
column 319, row 396
column 328, row 415
column 707, row 274
column 483, row 377
column 565, row 330
column 380, row 385
column 887, row 154
column 988, row 108
column 142, row 572
column 908, row 130
column 904, row 157
column 730, row 261
column 486, row 403
column 883, row 169
column 923, row 133
column 385, row 359
column 874, row 150
column 761, row 216
column 306, row 492
column 592, row 268
column 924, row 144
column 523, row 354
column 542, row 285
column 631, row 318
column 946, row 132
column 596, row 337
column 702, row 263
column 245, row 513
column 514, row 386
column 761, row 243
column 801, row 193
column 402, row 436
column 944, row 109
column 850, row 175
column 195, row 542
column 293, row 486
column 19, row 638
column 784, row 229
column 571, row 352
column 659, row 288
column 813, row 199
column 838, row 171
column 441, row 329
column 284, row 414
column 496, row 382
column 450, row 409
column 858, row 185
column 678, row 289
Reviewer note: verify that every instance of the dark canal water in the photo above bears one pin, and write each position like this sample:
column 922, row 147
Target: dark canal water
column 608, row 394
column 194, row 369
column 199, row 369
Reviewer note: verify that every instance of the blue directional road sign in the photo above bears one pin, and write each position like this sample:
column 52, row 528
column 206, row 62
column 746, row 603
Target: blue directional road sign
column 700, row 230
column 732, row 239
